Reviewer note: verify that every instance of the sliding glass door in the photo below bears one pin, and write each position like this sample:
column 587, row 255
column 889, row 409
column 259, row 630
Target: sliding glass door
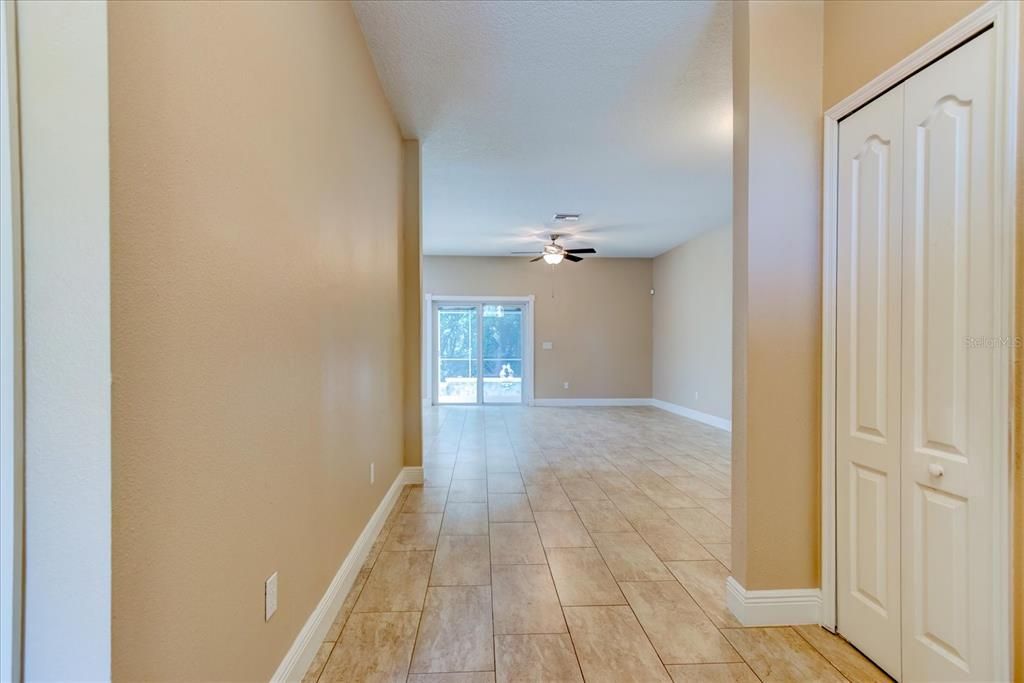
column 502, row 373
column 478, row 353
column 458, row 354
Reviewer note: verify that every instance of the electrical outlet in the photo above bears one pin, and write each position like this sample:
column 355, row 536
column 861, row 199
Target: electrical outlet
column 547, row 346
column 270, row 597
column 565, row 385
column 373, row 473
column 696, row 396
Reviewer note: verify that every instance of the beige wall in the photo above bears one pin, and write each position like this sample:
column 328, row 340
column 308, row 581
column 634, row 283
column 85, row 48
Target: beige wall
column 693, row 324
column 597, row 314
column 256, row 181
column 863, row 38
column 412, row 282
column 777, row 67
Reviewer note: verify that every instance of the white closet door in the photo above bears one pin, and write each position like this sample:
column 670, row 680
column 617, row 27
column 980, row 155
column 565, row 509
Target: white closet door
column 948, row 386
column 868, row 379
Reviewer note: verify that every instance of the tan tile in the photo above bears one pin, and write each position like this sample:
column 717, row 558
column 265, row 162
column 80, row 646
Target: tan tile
column 548, row 497
column 562, row 530
column 711, row 673
column 525, row 600
column 629, row 558
column 582, row 577
column 425, row 500
column 696, row 487
column 502, row 464
column 462, row 561
column 537, row 475
column 611, row 482
column 535, row 659
column 677, row 627
column 468, row 491
column 455, row 631
column 475, row 677
column 397, row 583
column 465, row 519
column 334, row 632
column 705, row 581
column 720, row 480
column 414, row 531
column 702, row 525
column 317, row 665
column 719, row 507
column 612, row 647
column 509, row 507
column 670, row 541
column 516, row 543
column 635, row 506
column 601, row 516
column 471, row 469
column 373, row 646
column 437, row 477
column 668, row 469
column 722, row 552
column 505, row 482
column 583, row 489
column 779, row 654
column 842, row 655
column 665, row 495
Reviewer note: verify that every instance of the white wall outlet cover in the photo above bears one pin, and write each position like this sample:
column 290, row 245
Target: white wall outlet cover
column 373, row 473
column 566, row 385
column 270, row 595
column 547, row 345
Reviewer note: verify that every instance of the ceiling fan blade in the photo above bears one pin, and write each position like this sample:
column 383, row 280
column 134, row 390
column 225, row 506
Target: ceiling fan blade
column 588, row 250
column 536, row 259
column 574, row 259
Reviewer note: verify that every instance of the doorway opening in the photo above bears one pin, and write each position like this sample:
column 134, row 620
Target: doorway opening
column 480, row 350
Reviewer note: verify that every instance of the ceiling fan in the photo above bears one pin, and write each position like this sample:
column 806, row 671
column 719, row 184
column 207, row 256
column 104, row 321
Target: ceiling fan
column 554, row 253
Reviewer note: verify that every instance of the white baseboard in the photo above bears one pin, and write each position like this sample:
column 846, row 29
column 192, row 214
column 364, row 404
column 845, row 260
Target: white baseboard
column 773, row 607
column 295, row 663
column 707, row 419
column 592, row 402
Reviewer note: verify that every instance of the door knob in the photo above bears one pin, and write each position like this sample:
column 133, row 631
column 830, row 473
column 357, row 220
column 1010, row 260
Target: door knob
column 935, row 470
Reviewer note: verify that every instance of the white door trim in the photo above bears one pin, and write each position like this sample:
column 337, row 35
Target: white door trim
column 1004, row 18
column 527, row 300
column 12, row 386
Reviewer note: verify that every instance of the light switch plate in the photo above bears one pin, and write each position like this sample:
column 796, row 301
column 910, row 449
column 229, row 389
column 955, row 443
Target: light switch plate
column 547, row 346
column 270, row 595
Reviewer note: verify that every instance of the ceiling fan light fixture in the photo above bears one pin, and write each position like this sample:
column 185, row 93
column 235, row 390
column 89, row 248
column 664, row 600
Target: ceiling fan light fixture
column 553, row 259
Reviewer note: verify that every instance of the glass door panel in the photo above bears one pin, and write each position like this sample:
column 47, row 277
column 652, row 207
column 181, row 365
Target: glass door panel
column 458, row 354
column 502, row 333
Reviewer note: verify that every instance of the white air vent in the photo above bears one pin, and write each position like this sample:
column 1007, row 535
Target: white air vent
column 567, row 216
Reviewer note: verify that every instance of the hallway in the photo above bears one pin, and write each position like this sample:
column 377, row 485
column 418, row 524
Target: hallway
column 547, row 542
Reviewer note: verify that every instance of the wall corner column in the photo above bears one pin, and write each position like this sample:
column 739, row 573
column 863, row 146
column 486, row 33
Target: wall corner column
column 777, row 82
column 412, row 287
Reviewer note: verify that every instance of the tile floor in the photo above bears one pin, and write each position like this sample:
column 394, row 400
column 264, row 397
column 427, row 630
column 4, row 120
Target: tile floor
column 564, row 544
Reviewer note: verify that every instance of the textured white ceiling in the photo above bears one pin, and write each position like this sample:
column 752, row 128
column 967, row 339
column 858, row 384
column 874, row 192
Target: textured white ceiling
column 621, row 111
